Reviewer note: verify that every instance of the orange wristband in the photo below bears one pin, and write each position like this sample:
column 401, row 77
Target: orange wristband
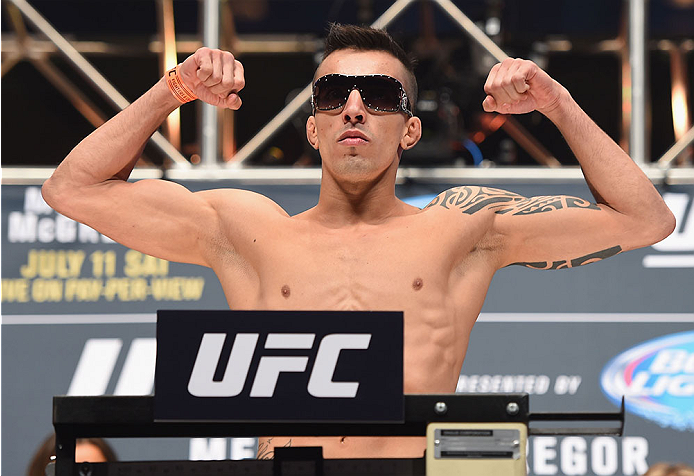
column 176, row 86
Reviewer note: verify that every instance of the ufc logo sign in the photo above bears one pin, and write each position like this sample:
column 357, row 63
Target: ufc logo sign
column 284, row 366
column 320, row 383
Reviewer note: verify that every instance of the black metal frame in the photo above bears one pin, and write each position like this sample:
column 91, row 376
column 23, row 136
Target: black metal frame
column 122, row 417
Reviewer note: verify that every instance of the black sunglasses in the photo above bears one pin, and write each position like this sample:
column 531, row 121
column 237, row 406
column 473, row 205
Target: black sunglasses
column 379, row 93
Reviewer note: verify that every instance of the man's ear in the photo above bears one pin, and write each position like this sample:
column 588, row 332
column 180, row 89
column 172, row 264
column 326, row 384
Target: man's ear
column 413, row 132
column 311, row 133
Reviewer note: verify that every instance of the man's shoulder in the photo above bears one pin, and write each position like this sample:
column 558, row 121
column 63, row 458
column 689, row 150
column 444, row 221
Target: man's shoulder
column 233, row 200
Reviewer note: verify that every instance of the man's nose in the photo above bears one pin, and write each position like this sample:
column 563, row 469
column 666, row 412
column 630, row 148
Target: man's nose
column 355, row 110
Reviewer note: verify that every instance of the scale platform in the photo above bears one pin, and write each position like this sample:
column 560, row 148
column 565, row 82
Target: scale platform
column 480, row 434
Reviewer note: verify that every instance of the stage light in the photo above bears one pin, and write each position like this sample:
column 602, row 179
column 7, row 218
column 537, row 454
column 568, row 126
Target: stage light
column 167, row 31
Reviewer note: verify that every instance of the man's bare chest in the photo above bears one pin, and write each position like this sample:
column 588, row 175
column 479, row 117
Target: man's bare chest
column 360, row 268
column 372, row 267
column 366, row 270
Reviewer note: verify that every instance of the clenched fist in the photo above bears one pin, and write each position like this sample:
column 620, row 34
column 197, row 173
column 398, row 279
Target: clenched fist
column 215, row 77
column 517, row 86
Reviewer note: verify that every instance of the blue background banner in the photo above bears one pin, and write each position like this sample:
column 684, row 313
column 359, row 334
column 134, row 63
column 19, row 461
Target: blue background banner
column 69, row 295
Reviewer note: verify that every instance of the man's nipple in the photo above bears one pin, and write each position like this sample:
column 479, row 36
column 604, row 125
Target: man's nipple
column 286, row 292
column 417, row 284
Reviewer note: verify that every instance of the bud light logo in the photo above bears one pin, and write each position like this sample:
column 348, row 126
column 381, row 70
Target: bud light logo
column 656, row 379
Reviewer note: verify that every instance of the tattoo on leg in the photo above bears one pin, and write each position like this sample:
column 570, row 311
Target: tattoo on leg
column 265, row 451
column 587, row 259
column 470, row 200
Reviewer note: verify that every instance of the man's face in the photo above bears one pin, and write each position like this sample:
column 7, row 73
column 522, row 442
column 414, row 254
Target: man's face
column 357, row 143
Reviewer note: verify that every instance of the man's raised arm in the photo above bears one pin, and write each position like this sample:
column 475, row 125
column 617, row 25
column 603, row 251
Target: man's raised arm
column 154, row 216
column 559, row 231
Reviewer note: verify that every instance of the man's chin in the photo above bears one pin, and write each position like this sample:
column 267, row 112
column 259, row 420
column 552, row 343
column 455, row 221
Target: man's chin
column 358, row 171
column 357, row 165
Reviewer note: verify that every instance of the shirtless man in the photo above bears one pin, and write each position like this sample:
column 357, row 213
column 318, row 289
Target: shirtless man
column 361, row 248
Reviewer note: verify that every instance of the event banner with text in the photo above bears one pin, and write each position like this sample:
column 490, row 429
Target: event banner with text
column 79, row 313
column 54, row 265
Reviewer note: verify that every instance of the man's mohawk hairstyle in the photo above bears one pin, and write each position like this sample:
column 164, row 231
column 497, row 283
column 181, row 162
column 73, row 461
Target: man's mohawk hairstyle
column 364, row 38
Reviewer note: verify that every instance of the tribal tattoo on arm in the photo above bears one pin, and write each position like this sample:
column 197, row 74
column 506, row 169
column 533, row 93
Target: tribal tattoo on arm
column 562, row 264
column 471, row 200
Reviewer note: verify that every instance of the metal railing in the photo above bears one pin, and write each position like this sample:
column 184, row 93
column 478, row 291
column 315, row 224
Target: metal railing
column 660, row 170
column 92, row 74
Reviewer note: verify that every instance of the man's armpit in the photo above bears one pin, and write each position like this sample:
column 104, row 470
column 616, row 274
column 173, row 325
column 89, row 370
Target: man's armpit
column 580, row 261
column 470, row 200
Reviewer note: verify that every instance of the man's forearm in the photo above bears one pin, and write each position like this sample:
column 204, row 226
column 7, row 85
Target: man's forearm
column 614, row 178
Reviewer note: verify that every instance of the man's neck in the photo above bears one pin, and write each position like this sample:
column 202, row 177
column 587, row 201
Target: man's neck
column 358, row 202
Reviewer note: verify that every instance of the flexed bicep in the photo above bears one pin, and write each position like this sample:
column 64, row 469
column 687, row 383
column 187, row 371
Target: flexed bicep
column 544, row 232
column 471, row 199
column 561, row 231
